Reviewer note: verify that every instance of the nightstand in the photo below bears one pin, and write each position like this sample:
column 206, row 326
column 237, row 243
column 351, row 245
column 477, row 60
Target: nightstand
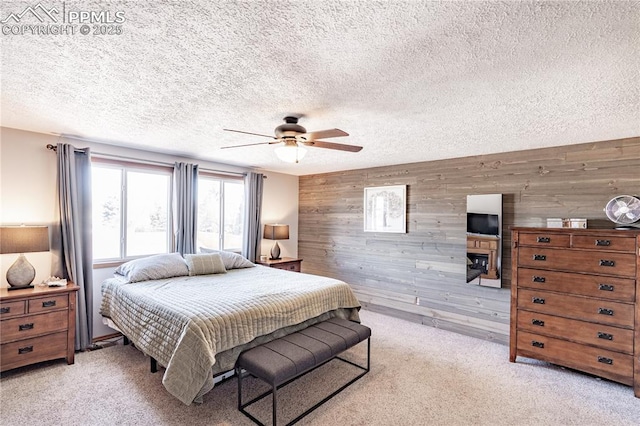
column 286, row 263
column 37, row 324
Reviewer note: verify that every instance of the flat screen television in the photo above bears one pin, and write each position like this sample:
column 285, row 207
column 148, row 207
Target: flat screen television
column 482, row 223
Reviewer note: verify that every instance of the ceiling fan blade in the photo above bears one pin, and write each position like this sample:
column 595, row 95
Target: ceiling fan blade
column 330, row 133
column 249, row 144
column 249, row 133
column 332, row 145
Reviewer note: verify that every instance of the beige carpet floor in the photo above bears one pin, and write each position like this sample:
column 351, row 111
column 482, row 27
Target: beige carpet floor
column 420, row 376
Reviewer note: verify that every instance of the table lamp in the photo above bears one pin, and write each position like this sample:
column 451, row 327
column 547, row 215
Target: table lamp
column 276, row 232
column 22, row 239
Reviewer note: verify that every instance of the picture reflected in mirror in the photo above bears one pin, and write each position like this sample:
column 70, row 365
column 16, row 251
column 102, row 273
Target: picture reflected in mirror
column 484, row 240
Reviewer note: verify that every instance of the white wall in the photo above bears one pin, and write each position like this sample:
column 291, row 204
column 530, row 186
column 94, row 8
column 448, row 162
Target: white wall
column 28, row 187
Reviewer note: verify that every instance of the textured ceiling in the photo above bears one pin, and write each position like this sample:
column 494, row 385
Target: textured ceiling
column 408, row 80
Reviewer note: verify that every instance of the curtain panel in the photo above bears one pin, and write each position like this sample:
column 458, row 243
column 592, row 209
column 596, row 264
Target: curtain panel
column 71, row 236
column 185, row 207
column 253, row 211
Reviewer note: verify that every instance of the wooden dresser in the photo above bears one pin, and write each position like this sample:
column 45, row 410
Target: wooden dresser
column 37, row 324
column 575, row 297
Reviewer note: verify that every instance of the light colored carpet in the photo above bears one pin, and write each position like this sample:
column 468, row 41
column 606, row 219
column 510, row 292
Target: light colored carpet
column 420, row 376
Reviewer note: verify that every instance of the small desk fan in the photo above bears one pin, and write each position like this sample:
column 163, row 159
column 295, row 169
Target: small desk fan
column 623, row 210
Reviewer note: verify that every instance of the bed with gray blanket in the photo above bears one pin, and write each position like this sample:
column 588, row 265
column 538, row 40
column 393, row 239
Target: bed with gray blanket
column 195, row 323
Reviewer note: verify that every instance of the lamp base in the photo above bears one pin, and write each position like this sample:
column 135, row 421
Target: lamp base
column 21, row 273
column 20, row 288
column 275, row 251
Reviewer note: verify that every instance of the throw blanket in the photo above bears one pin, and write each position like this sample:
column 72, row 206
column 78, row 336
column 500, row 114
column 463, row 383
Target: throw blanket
column 183, row 322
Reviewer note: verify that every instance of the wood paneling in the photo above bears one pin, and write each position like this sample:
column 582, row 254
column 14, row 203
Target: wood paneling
column 420, row 275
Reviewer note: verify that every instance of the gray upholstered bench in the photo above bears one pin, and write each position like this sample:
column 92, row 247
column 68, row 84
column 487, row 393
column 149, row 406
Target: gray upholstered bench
column 281, row 361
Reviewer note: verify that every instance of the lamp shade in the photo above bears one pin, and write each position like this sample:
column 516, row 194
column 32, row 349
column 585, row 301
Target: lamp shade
column 290, row 153
column 23, row 239
column 276, row 232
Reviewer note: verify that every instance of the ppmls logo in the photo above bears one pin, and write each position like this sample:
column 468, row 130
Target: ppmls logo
column 39, row 11
column 57, row 20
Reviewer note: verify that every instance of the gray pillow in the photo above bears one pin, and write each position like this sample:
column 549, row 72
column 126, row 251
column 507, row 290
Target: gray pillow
column 154, row 268
column 205, row 264
column 231, row 260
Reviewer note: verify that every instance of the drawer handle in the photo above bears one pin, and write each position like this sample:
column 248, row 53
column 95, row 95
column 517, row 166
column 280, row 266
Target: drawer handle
column 537, row 322
column 541, row 257
column 23, row 327
column 607, row 262
column 543, row 239
column 537, row 344
column 48, row 303
column 5, row 310
column 25, row 350
column 539, row 300
column 605, row 336
column 605, row 243
column 605, row 360
column 605, row 287
column 537, row 279
column 605, row 311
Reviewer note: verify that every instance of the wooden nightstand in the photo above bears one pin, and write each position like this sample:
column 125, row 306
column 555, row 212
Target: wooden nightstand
column 37, row 324
column 286, row 263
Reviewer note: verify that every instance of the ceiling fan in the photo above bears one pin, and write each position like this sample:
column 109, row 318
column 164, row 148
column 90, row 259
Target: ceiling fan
column 294, row 138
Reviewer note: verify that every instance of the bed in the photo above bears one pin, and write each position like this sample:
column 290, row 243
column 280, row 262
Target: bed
column 196, row 324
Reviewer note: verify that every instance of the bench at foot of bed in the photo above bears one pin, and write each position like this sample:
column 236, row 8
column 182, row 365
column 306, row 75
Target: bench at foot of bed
column 283, row 360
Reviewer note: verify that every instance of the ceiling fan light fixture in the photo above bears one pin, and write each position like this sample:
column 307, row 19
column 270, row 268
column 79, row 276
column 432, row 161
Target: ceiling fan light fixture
column 290, row 153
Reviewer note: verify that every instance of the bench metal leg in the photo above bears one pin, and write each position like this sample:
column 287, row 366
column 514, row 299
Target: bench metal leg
column 154, row 365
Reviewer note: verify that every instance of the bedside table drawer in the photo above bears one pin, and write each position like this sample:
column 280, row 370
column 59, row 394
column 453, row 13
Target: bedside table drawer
column 12, row 309
column 34, row 325
column 29, row 351
column 44, row 304
column 292, row 266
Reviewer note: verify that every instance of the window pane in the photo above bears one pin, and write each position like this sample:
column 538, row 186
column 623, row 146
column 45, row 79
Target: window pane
column 208, row 213
column 233, row 215
column 147, row 213
column 106, row 194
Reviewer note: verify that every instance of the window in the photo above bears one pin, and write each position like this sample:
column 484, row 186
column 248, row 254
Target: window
column 220, row 212
column 131, row 210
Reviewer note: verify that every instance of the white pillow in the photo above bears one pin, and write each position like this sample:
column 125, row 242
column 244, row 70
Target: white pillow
column 231, row 260
column 154, row 268
column 205, row 264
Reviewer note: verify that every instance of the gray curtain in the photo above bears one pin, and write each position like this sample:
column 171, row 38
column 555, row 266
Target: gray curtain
column 71, row 236
column 253, row 208
column 185, row 207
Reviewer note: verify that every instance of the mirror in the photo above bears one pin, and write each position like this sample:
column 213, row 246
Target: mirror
column 484, row 240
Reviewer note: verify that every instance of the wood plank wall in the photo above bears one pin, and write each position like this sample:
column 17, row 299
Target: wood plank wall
column 389, row 271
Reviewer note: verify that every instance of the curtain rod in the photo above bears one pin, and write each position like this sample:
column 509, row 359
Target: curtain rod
column 52, row 147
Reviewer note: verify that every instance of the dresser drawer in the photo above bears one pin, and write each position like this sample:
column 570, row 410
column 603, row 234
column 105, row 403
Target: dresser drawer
column 33, row 325
column 543, row 239
column 621, row 244
column 620, row 289
column 11, row 309
column 602, row 362
column 50, row 303
column 289, row 266
column 577, row 307
column 618, row 264
column 38, row 349
column 604, row 336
